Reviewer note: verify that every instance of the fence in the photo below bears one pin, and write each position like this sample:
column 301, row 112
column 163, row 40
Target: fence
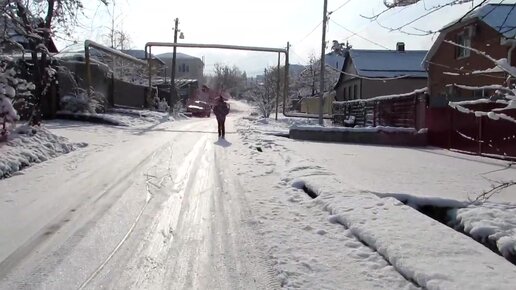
column 449, row 128
column 406, row 111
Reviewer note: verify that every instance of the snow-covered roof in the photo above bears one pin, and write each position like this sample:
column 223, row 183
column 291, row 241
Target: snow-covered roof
column 140, row 54
column 388, row 63
column 501, row 17
column 13, row 33
column 334, row 60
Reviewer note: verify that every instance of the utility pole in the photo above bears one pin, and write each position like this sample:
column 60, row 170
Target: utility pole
column 173, row 69
column 278, row 85
column 323, row 64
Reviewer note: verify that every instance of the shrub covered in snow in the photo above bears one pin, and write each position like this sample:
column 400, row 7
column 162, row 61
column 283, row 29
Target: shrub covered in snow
column 11, row 86
column 79, row 102
column 28, row 145
column 160, row 104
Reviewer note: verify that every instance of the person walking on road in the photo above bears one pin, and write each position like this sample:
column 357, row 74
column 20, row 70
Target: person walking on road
column 221, row 110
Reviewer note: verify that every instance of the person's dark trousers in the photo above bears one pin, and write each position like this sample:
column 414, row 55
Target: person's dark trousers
column 221, row 127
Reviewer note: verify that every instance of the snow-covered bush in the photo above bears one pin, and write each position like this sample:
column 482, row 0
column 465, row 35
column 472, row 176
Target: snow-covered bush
column 178, row 108
column 160, row 104
column 163, row 106
column 78, row 101
column 11, row 86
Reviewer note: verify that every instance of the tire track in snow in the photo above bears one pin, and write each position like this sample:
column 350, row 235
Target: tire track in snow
column 47, row 249
column 147, row 267
column 148, row 198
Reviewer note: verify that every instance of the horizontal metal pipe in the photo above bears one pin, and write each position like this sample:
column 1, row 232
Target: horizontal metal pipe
column 89, row 43
column 220, row 46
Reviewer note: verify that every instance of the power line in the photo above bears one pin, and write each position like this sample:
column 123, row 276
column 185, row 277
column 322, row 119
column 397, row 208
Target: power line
column 360, row 36
column 310, row 32
column 345, row 3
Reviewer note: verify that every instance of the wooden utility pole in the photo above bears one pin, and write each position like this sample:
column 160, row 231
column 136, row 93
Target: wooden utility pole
column 173, row 68
column 323, row 64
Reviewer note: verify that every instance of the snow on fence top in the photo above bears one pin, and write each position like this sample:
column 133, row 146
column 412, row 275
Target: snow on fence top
column 383, row 98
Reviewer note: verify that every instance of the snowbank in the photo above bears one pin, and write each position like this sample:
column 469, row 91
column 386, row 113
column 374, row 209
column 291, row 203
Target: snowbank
column 120, row 117
column 27, row 145
column 386, row 97
column 342, row 179
column 401, row 235
column 491, row 223
column 386, row 129
column 133, row 117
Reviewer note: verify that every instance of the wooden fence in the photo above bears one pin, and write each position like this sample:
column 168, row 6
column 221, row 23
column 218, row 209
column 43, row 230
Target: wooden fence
column 406, row 111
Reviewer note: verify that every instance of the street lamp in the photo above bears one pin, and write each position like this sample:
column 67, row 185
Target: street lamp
column 173, row 70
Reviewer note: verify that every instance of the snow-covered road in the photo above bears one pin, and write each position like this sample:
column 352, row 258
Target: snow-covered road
column 169, row 206
column 158, row 208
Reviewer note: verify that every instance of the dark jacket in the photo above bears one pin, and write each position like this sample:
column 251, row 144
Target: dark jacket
column 220, row 110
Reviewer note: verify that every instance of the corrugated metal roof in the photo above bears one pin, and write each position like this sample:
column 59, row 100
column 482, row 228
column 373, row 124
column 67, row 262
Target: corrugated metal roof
column 388, row 63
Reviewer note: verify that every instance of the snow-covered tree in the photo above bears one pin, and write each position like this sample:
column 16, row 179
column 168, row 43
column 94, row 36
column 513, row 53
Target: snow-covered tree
column 36, row 22
column 228, row 79
column 264, row 94
column 309, row 79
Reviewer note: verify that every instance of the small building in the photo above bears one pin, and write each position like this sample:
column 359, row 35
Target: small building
column 371, row 73
column 158, row 65
column 490, row 29
column 187, row 66
column 457, row 73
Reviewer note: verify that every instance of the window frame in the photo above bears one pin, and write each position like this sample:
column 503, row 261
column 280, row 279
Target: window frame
column 463, row 38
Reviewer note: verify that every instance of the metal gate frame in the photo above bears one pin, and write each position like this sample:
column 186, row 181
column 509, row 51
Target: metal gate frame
column 279, row 51
column 87, row 59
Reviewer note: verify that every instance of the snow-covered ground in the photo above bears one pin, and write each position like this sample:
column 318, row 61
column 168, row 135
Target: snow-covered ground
column 30, row 145
column 355, row 184
column 166, row 205
column 26, row 146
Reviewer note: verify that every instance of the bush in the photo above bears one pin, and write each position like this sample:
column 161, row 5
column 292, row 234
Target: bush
column 79, row 102
column 11, row 86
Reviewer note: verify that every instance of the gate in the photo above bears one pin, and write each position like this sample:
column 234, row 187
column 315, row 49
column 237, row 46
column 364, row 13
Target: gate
column 482, row 135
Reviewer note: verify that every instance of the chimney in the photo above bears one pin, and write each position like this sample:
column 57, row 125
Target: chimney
column 400, row 47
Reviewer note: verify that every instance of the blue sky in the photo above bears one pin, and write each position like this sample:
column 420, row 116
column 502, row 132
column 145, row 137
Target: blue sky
column 268, row 23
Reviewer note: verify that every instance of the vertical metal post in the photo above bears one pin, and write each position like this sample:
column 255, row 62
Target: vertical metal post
column 149, row 58
column 323, row 63
column 278, row 85
column 173, row 68
column 285, row 83
column 88, row 68
column 480, row 133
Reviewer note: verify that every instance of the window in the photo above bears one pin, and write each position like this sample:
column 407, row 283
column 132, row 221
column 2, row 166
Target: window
column 355, row 91
column 187, row 68
column 477, row 94
column 464, row 39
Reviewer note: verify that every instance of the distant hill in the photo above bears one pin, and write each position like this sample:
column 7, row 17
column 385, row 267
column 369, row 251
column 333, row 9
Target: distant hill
column 296, row 69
